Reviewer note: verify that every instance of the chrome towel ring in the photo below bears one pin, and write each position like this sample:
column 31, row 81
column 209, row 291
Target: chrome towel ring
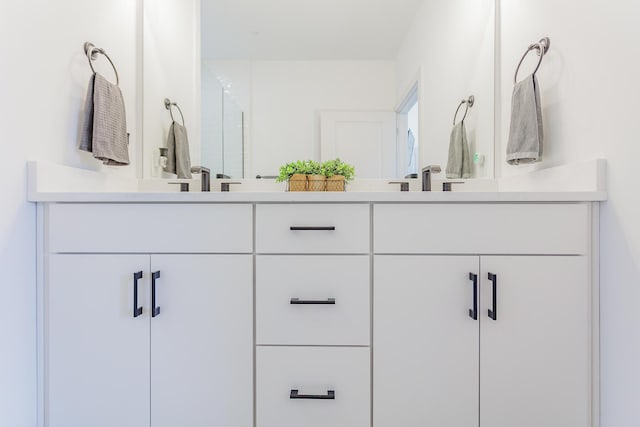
column 541, row 48
column 168, row 104
column 470, row 101
column 92, row 54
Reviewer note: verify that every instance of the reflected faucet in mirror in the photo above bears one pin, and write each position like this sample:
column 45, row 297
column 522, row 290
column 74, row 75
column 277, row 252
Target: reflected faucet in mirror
column 205, row 177
column 426, row 176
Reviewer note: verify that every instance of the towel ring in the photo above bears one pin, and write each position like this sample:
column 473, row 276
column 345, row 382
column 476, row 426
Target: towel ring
column 541, row 48
column 470, row 101
column 92, row 54
column 168, row 104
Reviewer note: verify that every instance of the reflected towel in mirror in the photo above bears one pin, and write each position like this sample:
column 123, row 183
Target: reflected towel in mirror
column 178, row 156
column 459, row 162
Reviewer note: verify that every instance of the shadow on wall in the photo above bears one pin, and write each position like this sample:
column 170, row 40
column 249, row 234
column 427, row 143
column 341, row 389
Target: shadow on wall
column 18, row 305
column 620, row 281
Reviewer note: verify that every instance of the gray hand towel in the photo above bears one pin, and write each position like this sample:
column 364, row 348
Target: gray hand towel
column 103, row 130
column 178, row 157
column 525, row 133
column 459, row 162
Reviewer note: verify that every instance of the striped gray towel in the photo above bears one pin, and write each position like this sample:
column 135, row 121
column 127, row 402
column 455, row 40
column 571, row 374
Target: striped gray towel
column 178, row 156
column 104, row 123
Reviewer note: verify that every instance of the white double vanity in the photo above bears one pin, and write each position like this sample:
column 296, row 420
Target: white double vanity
column 345, row 310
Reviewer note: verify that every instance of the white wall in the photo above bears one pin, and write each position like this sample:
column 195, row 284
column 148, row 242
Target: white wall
column 589, row 87
column 43, row 80
column 449, row 47
column 285, row 98
column 171, row 70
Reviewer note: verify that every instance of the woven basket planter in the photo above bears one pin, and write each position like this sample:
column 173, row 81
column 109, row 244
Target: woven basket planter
column 316, row 183
column 298, row 182
column 335, row 183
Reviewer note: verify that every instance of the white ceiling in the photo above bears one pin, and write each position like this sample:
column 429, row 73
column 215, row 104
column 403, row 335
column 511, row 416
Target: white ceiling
column 305, row 29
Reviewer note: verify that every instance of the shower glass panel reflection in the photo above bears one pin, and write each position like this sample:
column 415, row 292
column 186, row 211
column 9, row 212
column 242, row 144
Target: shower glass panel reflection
column 222, row 129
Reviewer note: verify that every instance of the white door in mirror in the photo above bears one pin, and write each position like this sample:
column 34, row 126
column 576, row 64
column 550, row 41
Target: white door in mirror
column 366, row 140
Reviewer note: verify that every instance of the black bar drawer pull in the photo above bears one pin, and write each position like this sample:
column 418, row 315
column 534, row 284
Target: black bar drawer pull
column 298, row 301
column 331, row 395
column 493, row 314
column 137, row 311
column 473, row 312
column 293, row 228
column 155, row 310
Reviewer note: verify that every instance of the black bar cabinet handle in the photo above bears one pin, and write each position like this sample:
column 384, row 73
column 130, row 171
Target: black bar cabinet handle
column 155, row 310
column 331, row 395
column 298, row 301
column 473, row 312
column 294, row 228
column 493, row 314
column 137, row 311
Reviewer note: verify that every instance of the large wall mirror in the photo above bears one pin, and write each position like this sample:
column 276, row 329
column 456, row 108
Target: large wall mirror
column 374, row 82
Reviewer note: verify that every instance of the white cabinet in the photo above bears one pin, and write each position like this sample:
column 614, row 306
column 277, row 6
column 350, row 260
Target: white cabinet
column 312, row 228
column 97, row 368
column 535, row 357
column 313, row 300
column 425, row 345
column 436, row 364
column 482, row 228
column 148, row 340
column 202, row 341
column 177, row 352
column 147, row 315
column 482, row 315
column 313, row 318
column 313, row 387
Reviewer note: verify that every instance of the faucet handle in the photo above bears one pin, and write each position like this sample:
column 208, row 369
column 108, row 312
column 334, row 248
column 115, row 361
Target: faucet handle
column 184, row 186
column 404, row 186
column 448, row 185
column 224, row 186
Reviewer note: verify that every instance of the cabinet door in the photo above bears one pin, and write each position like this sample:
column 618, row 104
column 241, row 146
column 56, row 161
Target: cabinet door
column 535, row 363
column 425, row 343
column 98, row 352
column 202, row 341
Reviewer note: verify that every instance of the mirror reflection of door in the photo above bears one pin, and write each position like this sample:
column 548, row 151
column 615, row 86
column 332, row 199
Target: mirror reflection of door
column 367, row 140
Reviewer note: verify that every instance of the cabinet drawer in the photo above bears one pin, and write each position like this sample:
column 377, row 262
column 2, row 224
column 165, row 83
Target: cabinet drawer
column 312, row 228
column 312, row 371
column 156, row 228
column 544, row 229
column 333, row 300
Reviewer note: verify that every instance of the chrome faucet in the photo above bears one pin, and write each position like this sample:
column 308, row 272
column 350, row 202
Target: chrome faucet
column 205, row 177
column 426, row 176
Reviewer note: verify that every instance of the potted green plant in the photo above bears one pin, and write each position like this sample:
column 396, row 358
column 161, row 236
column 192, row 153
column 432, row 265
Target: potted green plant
column 338, row 174
column 297, row 173
column 316, row 180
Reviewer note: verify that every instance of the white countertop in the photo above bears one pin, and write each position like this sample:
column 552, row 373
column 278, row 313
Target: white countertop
column 319, row 197
column 583, row 182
